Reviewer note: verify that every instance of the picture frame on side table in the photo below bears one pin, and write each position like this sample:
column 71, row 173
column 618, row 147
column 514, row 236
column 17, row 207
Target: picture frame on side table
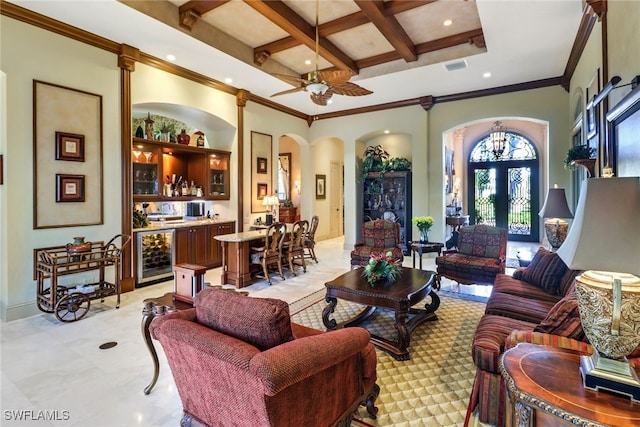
column 69, row 146
column 69, row 188
column 321, row 181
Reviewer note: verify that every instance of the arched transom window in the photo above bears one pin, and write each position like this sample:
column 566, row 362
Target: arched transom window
column 517, row 147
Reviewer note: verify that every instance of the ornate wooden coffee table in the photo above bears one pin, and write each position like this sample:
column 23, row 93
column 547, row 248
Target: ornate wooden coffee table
column 411, row 287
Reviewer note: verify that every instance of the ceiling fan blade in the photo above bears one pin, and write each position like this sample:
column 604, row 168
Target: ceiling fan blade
column 334, row 77
column 289, row 78
column 350, row 89
column 285, row 92
column 321, row 98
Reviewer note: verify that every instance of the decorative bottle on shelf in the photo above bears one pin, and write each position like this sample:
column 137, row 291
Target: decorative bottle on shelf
column 193, row 189
column 183, row 137
column 185, row 188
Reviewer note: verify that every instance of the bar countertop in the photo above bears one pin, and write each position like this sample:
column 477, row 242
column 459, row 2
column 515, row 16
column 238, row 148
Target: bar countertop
column 244, row 236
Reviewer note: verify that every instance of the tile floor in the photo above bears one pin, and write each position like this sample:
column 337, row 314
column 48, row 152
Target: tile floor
column 54, row 374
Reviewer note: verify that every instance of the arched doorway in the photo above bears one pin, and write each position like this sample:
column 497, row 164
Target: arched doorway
column 503, row 190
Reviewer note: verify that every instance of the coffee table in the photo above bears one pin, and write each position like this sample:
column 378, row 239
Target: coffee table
column 411, row 287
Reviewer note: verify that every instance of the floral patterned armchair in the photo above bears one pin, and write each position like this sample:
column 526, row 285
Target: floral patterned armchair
column 378, row 237
column 481, row 254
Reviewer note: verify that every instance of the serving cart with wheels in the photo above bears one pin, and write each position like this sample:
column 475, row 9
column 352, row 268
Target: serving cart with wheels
column 71, row 304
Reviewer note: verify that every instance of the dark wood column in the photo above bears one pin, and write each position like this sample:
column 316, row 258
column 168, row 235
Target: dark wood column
column 127, row 62
column 242, row 96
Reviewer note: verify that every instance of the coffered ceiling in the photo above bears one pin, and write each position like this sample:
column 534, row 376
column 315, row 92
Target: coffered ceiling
column 397, row 49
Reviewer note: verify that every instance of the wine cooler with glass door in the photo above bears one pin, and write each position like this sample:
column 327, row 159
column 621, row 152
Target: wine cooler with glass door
column 155, row 256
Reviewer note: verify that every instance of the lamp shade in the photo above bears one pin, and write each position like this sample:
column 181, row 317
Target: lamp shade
column 605, row 234
column 555, row 205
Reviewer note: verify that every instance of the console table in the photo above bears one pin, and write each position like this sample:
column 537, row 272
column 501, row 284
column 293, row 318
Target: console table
column 544, row 388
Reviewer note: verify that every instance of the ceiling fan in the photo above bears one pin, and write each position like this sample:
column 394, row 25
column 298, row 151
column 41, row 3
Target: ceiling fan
column 322, row 84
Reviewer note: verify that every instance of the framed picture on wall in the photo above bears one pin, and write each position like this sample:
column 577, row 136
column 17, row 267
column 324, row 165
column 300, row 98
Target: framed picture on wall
column 261, row 172
column 593, row 111
column 70, row 147
column 69, row 188
column 262, row 190
column 321, row 181
column 261, row 166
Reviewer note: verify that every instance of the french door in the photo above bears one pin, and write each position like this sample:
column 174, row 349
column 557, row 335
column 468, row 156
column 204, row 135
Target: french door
column 505, row 194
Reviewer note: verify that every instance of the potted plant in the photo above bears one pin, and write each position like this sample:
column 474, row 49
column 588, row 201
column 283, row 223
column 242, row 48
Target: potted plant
column 374, row 159
column 399, row 164
column 382, row 268
column 578, row 152
column 423, row 223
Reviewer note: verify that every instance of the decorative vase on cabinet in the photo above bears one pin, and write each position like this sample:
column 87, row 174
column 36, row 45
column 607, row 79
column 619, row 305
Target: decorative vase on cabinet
column 183, row 137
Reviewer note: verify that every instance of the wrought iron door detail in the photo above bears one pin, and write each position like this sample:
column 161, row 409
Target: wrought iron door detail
column 504, row 190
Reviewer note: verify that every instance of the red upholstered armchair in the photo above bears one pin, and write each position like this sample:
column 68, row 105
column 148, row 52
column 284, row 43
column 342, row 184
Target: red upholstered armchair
column 239, row 360
column 481, row 255
column 378, row 237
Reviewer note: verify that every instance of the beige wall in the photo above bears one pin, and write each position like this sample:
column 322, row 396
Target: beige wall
column 29, row 53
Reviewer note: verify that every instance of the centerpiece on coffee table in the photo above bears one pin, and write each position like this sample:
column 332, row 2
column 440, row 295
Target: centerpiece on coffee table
column 382, row 268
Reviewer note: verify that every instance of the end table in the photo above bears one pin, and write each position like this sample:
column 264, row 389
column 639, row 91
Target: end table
column 544, row 388
column 425, row 248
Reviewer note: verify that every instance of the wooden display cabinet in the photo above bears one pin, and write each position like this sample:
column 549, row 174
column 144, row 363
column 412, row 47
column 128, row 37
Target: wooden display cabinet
column 218, row 175
column 215, row 248
column 207, row 168
column 146, row 172
column 388, row 196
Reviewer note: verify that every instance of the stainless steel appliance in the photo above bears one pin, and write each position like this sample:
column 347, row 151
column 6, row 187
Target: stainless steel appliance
column 155, row 256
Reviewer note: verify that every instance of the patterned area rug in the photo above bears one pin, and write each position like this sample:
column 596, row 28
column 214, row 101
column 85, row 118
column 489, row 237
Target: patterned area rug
column 431, row 389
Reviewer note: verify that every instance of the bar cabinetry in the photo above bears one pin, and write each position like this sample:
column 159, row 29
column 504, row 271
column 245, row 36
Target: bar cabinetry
column 197, row 245
column 156, row 163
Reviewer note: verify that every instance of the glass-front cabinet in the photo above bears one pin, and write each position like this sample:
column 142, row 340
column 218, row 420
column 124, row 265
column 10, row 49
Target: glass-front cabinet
column 145, row 172
column 170, row 171
column 219, row 175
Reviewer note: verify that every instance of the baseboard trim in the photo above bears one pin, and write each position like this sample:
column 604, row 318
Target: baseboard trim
column 19, row 311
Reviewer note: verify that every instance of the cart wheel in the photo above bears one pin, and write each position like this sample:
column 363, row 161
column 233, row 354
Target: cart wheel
column 62, row 291
column 72, row 307
column 44, row 308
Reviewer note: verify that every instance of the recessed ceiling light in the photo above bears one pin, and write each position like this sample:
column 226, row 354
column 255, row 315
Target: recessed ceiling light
column 486, row 75
column 171, row 57
column 307, row 62
column 447, row 22
column 228, row 80
column 330, row 101
column 386, row 131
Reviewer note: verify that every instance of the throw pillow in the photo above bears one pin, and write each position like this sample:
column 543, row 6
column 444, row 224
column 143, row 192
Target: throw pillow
column 564, row 319
column 545, row 271
column 261, row 322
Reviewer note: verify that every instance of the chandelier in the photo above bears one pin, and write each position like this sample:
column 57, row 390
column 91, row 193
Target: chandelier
column 498, row 137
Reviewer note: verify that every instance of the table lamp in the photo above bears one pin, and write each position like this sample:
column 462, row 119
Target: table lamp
column 555, row 208
column 605, row 240
column 270, row 202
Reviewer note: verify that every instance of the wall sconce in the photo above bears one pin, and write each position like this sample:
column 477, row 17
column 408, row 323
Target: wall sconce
column 296, row 185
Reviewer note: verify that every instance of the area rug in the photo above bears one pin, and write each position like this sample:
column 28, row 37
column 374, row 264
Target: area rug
column 431, row 389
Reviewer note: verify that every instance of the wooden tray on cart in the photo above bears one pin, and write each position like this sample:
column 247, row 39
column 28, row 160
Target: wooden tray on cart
column 71, row 304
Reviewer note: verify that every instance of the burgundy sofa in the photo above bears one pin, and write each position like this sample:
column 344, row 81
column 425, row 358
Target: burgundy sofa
column 537, row 305
column 239, row 360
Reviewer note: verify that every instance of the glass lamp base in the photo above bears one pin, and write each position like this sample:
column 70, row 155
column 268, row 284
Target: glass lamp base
column 603, row 374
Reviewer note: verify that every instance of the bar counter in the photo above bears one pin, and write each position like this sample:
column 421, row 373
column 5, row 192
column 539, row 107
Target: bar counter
column 236, row 256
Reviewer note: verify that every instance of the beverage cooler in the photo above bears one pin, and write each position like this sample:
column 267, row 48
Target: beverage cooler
column 155, row 256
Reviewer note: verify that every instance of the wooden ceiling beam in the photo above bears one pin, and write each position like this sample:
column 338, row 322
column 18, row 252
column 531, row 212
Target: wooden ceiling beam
column 190, row 12
column 389, row 27
column 343, row 23
column 422, row 48
column 202, row 6
column 285, row 18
